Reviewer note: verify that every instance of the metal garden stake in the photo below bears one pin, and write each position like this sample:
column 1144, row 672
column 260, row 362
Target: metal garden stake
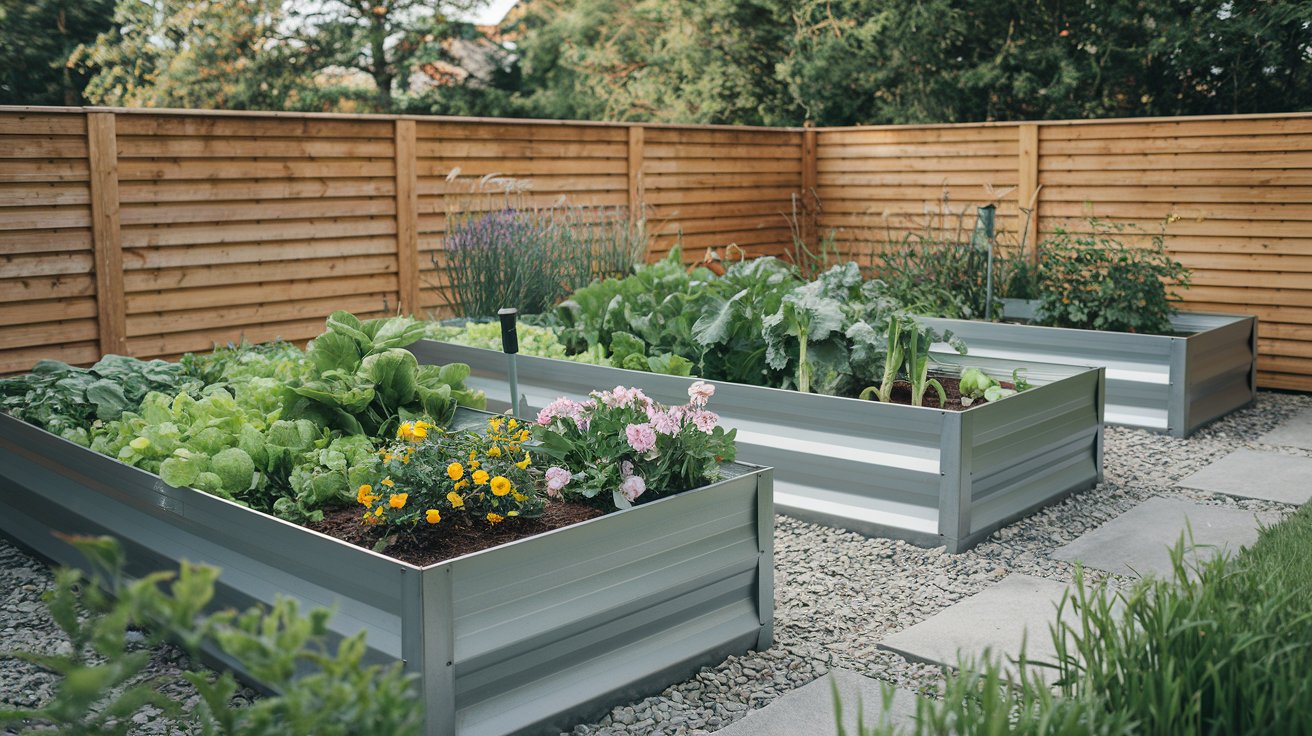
column 984, row 222
column 510, row 345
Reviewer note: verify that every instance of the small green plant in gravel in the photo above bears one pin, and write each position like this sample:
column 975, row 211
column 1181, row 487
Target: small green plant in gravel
column 104, row 680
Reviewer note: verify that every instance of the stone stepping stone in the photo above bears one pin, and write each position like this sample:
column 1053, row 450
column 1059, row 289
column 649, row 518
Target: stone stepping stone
column 1295, row 431
column 1017, row 611
column 1138, row 542
column 810, row 709
column 1250, row 474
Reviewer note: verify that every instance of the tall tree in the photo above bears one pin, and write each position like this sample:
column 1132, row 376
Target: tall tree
column 37, row 38
column 228, row 54
column 383, row 37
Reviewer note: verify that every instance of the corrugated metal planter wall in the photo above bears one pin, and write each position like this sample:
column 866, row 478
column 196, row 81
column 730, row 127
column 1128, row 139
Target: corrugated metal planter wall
column 1170, row 384
column 928, row 475
column 529, row 637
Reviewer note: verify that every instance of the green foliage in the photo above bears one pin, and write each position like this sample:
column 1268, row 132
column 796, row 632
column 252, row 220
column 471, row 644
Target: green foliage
column 844, row 62
column 367, row 383
column 66, row 400
column 907, row 352
column 1095, row 281
column 103, row 680
column 37, row 39
column 533, row 340
column 937, row 276
column 976, row 384
column 180, row 53
column 1219, row 647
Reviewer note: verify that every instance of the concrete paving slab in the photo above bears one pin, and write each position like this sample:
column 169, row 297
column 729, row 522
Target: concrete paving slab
column 810, row 709
column 1295, row 431
column 1138, row 542
column 1018, row 610
column 1270, row 476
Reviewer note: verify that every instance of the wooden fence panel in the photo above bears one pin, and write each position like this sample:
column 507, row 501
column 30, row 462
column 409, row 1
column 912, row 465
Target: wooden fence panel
column 712, row 187
column 878, row 184
column 48, row 303
column 253, row 227
column 1238, row 192
column 158, row 232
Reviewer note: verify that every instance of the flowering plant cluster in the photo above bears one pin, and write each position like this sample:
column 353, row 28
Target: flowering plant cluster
column 430, row 477
column 620, row 446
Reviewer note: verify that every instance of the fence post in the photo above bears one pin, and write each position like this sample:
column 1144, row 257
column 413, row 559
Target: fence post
column 102, row 155
column 637, row 187
column 810, row 202
column 407, row 219
column 1027, row 191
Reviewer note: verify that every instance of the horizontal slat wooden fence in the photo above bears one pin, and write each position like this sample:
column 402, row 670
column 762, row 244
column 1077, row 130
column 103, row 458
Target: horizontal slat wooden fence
column 158, row 232
column 154, row 233
column 1237, row 189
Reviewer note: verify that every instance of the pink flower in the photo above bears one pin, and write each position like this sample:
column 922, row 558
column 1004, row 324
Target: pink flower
column 632, row 487
column 705, row 420
column 561, row 407
column 641, row 437
column 626, row 468
column 665, row 422
column 700, row 392
column 557, row 478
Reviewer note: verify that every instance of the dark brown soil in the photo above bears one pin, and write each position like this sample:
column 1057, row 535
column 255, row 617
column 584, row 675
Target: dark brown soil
column 951, row 387
column 428, row 545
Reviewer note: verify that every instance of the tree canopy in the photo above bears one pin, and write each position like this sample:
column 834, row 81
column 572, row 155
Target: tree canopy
column 774, row 62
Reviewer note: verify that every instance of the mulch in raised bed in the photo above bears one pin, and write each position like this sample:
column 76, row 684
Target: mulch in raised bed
column 951, row 387
column 429, row 545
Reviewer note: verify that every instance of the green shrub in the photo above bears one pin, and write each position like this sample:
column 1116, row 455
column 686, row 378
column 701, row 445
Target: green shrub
column 936, row 276
column 1095, row 281
column 104, row 682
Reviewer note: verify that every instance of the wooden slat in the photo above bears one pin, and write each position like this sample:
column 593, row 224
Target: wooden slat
column 105, row 232
column 637, row 173
column 1027, row 189
column 407, row 205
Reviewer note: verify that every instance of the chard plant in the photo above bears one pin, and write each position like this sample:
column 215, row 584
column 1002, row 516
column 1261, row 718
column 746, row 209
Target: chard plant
column 907, row 353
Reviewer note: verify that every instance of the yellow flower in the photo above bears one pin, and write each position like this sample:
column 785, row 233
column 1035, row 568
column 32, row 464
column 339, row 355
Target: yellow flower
column 500, row 485
column 462, row 484
column 495, row 424
column 405, row 431
column 455, row 500
column 387, row 482
column 523, row 435
column 512, row 424
column 472, row 455
column 365, row 496
column 388, row 457
column 420, row 432
column 518, row 496
column 523, row 464
column 433, row 516
column 397, row 500
column 473, row 464
column 455, row 471
column 494, row 451
column 378, row 511
column 495, row 518
column 480, row 477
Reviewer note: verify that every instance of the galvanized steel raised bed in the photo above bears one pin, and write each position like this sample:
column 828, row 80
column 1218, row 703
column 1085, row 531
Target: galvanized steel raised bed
column 927, row 475
column 1162, row 383
column 529, row 637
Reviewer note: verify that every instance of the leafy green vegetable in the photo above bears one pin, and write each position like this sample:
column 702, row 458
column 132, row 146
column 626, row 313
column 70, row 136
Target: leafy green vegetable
column 367, row 383
column 66, row 400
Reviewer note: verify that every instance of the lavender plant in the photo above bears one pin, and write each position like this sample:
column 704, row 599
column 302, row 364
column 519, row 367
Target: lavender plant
column 501, row 251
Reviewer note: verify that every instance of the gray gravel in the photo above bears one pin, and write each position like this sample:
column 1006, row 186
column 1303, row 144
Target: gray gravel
column 837, row 594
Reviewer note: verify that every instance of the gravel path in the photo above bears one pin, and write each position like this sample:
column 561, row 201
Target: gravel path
column 837, row 593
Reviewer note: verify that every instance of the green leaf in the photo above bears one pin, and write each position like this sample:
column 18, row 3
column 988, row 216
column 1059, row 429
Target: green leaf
column 395, row 374
column 334, row 351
